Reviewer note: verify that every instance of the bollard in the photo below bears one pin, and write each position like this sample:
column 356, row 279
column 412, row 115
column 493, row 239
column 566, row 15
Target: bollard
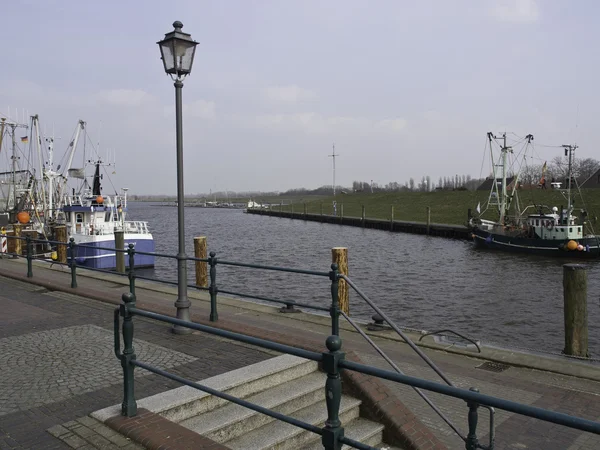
column 333, row 430
column 201, row 267
column 339, row 256
column 73, row 263
column 60, row 233
column 575, row 310
column 120, row 245
column 213, row 290
column 29, row 249
column 18, row 246
column 472, row 442
column 129, row 406
column 131, row 275
column 428, row 219
column 392, row 219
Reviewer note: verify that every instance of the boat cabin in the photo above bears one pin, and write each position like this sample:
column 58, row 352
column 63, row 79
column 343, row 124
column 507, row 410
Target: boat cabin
column 555, row 226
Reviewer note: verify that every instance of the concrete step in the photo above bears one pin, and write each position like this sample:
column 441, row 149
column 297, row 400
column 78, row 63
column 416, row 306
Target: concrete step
column 283, row 436
column 182, row 403
column 361, row 430
column 231, row 420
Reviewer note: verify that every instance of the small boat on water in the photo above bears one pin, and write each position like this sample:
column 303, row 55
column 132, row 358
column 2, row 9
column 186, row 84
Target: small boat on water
column 535, row 229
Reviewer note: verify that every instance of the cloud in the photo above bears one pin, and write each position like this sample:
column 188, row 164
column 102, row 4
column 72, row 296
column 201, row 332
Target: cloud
column 312, row 122
column 123, row 97
column 201, row 109
column 289, row 94
column 516, row 11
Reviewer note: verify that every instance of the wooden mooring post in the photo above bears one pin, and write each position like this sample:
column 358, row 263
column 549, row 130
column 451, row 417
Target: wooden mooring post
column 60, row 233
column 18, row 242
column 201, row 267
column 339, row 256
column 428, row 219
column 120, row 245
column 575, row 309
column 305, row 210
column 362, row 217
column 392, row 219
column 321, row 208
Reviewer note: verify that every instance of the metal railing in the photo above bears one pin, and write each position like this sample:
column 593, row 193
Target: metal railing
column 332, row 361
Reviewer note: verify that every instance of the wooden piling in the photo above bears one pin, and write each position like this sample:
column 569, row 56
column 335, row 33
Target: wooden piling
column 339, row 256
column 428, row 219
column 321, row 208
column 17, row 227
column 201, row 267
column 341, row 212
column 575, row 309
column 120, row 245
column 305, row 210
column 60, row 234
column 392, row 219
column 363, row 215
column 292, row 206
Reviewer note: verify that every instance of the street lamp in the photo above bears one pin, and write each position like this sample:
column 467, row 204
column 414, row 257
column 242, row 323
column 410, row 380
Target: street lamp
column 177, row 53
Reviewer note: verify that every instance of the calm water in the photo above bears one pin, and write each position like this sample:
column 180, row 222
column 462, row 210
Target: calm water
column 422, row 282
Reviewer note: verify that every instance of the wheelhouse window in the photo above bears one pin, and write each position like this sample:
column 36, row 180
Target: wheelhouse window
column 79, row 217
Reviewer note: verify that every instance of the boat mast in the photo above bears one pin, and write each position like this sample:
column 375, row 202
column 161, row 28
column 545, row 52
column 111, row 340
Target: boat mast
column 569, row 149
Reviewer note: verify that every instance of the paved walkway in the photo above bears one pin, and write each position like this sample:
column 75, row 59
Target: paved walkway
column 74, row 327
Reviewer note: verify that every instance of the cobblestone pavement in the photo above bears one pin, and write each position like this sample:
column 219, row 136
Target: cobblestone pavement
column 57, row 362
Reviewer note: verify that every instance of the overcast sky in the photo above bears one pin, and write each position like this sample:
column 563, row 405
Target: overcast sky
column 403, row 88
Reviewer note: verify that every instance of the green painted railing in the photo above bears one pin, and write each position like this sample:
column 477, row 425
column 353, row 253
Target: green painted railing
column 332, row 361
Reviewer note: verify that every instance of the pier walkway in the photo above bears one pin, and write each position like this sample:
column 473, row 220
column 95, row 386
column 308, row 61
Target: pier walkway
column 57, row 363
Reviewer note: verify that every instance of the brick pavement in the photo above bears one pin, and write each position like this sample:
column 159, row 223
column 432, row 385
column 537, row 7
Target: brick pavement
column 554, row 388
column 57, row 365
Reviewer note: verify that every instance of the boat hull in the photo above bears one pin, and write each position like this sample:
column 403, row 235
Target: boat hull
column 546, row 247
column 91, row 251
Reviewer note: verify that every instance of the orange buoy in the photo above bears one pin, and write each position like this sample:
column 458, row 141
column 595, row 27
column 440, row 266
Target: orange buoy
column 99, row 199
column 23, row 217
column 572, row 245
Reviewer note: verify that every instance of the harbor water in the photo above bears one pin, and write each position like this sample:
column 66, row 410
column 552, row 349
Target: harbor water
column 424, row 283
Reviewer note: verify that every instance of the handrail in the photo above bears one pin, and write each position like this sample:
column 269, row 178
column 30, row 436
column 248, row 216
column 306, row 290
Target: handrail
column 410, row 343
column 423, row 356
column 453, row 332
column 397, row 369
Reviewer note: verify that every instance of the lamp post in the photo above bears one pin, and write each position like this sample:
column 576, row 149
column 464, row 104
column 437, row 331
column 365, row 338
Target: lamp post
column 177, row 53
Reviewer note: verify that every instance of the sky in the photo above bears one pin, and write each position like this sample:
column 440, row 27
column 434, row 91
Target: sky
column 403, row 88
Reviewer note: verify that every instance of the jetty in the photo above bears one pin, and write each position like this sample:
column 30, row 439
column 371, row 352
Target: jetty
column 426, row 228
column 61, row 379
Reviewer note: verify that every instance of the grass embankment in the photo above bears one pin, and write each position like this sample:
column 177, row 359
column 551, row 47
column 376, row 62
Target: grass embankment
column 448, row 207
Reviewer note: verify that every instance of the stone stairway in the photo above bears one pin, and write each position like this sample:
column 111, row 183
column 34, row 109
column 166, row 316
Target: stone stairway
column 286, row 384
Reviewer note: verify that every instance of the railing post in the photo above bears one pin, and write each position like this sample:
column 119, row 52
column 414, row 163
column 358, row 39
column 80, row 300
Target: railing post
column 29, row 247
column 472, row 443
column 334, row 311
column 212, row 289
column 73, row 263
column 131, row 275
column 129, row 406
column 333, row 430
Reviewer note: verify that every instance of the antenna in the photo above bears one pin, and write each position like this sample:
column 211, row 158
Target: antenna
column 333, row 155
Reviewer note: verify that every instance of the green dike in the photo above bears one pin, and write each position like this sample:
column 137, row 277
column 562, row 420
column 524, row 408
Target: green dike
column 447, row 207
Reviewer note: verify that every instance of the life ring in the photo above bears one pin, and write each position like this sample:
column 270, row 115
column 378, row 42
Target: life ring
column 550, row 225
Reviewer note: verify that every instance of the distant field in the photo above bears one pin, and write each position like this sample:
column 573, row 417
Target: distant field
column 449, row 207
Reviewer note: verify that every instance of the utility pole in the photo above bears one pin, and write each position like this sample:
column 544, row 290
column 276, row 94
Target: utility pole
column 333, row 155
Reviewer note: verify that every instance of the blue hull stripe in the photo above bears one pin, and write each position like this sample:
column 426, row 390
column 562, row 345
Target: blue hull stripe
column 88, row 256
